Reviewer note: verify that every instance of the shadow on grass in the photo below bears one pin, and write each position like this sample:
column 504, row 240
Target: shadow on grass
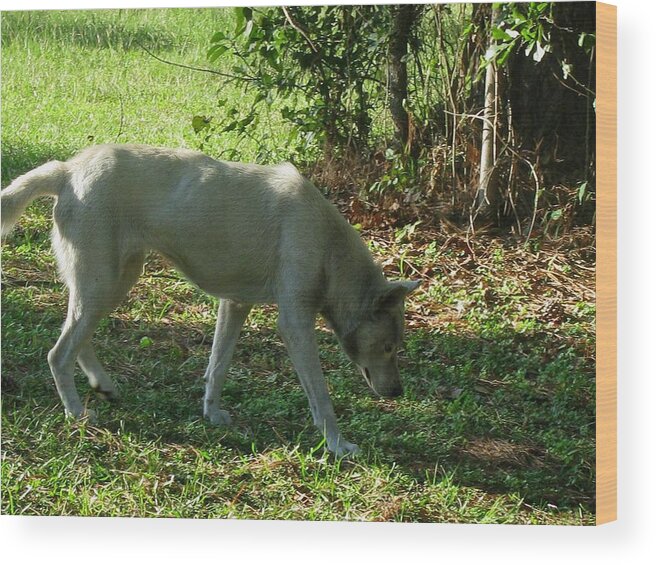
column 508, row 413
column 85, row 28
column 18, row 159
column 513, row 414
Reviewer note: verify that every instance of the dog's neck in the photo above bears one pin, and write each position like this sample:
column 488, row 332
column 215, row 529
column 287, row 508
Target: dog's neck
column 354, row 282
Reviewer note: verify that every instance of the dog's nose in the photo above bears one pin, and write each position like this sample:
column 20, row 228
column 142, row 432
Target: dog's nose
column 393, row 392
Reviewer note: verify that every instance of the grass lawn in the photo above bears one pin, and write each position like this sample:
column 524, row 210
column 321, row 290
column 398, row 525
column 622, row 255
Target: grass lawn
column 497, row 421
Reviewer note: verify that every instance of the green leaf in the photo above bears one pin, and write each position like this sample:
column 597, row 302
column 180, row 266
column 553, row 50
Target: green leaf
column 145, row 342
column 556, row 214
column 501, row 60
column 528, row 34
column 517, row 15
column 587, row 41
column 500, row 34
column 231, row 126
column 199, row 123
column 247, row 120
column 467, row 31
column 239, row 14
column 243, row 15
column 215, row 52
column 582, row 190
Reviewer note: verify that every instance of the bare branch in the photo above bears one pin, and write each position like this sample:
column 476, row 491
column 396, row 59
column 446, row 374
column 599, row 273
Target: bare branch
column 299, row 28
column 197, row 69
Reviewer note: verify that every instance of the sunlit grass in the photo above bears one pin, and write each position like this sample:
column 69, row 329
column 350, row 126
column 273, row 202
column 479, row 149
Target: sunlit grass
column 496, row 423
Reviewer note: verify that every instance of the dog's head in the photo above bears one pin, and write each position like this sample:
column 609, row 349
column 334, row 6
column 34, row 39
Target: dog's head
column 373, row 345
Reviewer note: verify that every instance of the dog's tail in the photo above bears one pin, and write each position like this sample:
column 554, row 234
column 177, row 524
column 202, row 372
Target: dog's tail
column 46, row 180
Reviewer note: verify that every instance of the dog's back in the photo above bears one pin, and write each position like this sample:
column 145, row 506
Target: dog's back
column 225, row 225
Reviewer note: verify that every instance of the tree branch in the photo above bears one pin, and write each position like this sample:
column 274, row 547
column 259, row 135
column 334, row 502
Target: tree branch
column 197, row 69
column 299, row 28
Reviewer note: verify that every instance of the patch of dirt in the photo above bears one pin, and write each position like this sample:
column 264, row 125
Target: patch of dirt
column 551, row 278
column 503, row 452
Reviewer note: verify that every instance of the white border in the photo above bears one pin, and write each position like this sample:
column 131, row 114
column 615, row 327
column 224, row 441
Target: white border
column 59, row 540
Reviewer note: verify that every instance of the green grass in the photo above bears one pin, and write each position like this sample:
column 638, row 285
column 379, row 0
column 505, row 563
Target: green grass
column 497, row 421
column 75, row 78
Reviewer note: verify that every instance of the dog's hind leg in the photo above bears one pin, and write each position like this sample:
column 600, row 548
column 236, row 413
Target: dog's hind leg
column 230, row 318
column 96, row 285
column 98, row 378
column 80, row 323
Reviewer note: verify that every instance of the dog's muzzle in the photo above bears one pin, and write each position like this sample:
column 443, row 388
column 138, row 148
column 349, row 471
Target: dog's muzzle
column 391, row 391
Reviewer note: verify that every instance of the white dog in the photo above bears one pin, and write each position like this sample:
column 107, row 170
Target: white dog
column 245, row 233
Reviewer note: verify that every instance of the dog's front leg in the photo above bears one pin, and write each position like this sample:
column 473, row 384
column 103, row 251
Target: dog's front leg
column 297, row 330
column 230, row 318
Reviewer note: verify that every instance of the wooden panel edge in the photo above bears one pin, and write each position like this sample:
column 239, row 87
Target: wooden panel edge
column 606, row 283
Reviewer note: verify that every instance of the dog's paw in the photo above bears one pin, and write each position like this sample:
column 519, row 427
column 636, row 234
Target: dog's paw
column 345, row 449
column 107, row 394
column 218, row 417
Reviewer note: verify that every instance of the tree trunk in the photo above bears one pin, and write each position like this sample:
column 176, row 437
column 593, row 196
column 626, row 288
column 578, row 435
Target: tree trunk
column 403, row 18
column 553, row 116
column 485, row 193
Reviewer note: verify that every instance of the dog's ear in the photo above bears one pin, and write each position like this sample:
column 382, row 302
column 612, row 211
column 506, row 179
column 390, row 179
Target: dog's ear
column 395, row 293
